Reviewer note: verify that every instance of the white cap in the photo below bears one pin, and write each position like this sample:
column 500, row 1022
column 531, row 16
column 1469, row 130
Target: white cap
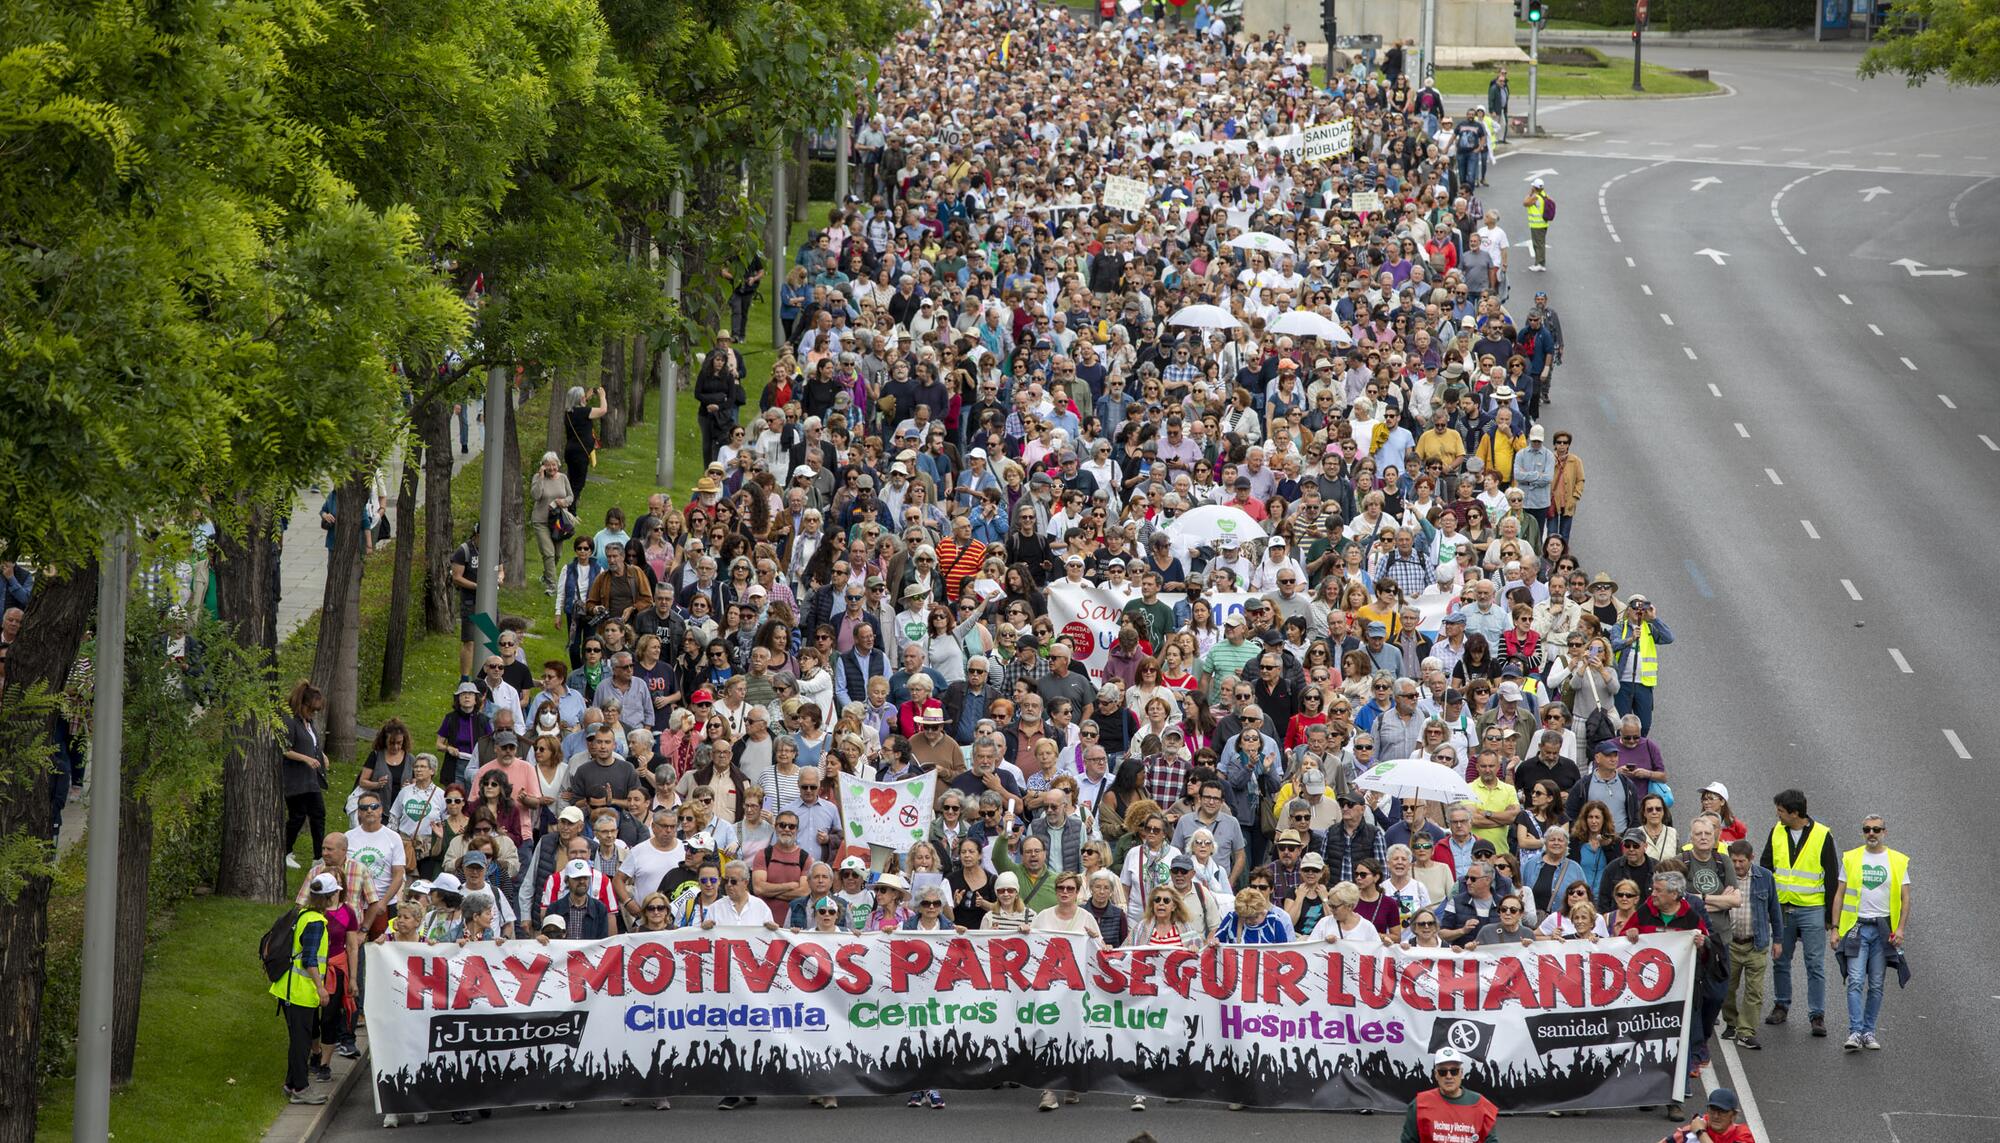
column 576, row 868
column 1449, row 1056
column 1718, row 789
column 853, row 864
column 1510, row 692
column 448, row 883
column 555, row 921
column 325, row 884
column 978, row 452
column 1536, row 183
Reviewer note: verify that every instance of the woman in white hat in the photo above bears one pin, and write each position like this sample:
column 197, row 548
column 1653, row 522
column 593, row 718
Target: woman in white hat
column 888, row 913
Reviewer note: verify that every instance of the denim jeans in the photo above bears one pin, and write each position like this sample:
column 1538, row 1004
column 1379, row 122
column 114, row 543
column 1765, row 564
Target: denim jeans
column 1636, row 698
column 1804, row 930
column 1865, row 965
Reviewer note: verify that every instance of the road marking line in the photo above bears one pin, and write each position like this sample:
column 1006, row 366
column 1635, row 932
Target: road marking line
column 1741, row 431
column 1713, row 391
column 1618, row 141
column 1752, row 1117
column 1704, row 146
column 1689, row 350
column 1629, row 264
column 1852, row 592
column 1819, row 271
column 1911, row 364
column 1952, row 210
column 1749, row 148
column 1902, row 664
column 1779, row 197
column 1811, row 532
column 1928, row 155
column 1874, row 329
column 1775, row 478
column 1584, row 135
column 1958, row 746
column 1668, row 318
column 1989, row 442
column 1845, row 300
column 1947, row 401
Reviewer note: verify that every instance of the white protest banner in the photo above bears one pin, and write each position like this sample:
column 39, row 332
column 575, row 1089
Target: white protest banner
column 891, row 814
column 742, row 1011
column 1329, row 140
column 1121, row 193
column 1365, row 202
column 1087, row 618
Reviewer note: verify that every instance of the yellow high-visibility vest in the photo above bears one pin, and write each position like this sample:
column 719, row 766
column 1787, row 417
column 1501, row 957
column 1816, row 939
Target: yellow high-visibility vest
column 1850, row 901
column 295, row 987
column 1801, row 876
column 1535, row 219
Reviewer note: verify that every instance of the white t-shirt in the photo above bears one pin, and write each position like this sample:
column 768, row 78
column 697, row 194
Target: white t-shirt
column 1082, row 922
column 647, row 865
column 753, row 911
column 1364, row 931
column 380, row 852
column 1875, row 887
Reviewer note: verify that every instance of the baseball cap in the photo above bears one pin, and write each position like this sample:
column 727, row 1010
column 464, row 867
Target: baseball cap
column 853, row 864
column 1181, row 864
column 1377, row 627
column 1723, row 1099
column 325, row 884
column 571, row 814
column 1537, row 433
column 506, row 738
column 475, row 859
column 1449, row 1056
column 576, row 868
column 554, row 923
column 1312, row 861
column 449, row 882
column 704, row 841
column 1718, row 789
column 1633, row 836
column 467, row 689
column 702, row 695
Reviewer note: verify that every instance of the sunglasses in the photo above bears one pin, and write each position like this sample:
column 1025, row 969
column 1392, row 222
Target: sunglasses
column 1625, row 896
column 454, row 801
column 656, row 908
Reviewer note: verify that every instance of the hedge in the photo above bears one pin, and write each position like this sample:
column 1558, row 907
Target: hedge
column 1689, row 15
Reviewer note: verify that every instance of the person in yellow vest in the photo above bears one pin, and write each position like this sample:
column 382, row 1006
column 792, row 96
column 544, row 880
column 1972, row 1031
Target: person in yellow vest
column 1537, row 203
column 1636, row 643
column 1803, row 861
column 1874, row 895
column 302, row 991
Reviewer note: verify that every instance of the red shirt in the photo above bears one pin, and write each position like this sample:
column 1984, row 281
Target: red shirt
column 1441, row 1121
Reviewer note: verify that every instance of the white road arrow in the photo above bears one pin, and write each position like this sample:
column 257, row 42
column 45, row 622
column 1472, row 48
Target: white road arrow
column 1917, row 270
column 1705, row 181
column 1869, row 194
column 1718, row 255
column 1533, row 175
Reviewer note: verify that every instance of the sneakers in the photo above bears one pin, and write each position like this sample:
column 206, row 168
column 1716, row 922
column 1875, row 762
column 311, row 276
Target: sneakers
column 321, row 1073
column 1138, row 1103
column 916, row 1099
column 348, row 1051
column 936, row 1098
column 1749, row 1043
column 1853, row 1042
column 1049, row 1102
column 292, row 861
column 1778, row 1015
column 1728, row 1033
column 1819, row 1027
column 829, row 1103
column 1675, row 1111
column 1072, row 1097
column 729, row 1103
column 663, row 1105
column 388, row 1121
column 1870, row 1042
column 310, row 1098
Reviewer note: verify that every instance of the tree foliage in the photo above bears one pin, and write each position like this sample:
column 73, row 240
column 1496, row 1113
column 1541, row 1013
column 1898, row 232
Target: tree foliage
column 1956, row 39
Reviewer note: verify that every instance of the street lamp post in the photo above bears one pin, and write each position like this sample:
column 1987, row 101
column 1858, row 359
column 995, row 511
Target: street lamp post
column 1329, row 24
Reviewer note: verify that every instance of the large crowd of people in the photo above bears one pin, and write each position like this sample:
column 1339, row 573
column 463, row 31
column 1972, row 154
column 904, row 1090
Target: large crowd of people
column 993, row 384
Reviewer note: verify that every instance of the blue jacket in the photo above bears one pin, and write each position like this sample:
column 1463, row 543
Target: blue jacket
column 1570, row 874
column 1244, row 788
column 1765, row 919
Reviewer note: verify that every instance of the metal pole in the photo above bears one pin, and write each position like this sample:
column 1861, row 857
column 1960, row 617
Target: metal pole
column 1638, row 35
column 774, row 258
column 841, row 144
column 670, row 362
column 1426, row 65
column 1534, row 74
column 92, row 1123
column 492, row 477
column 1330, row 24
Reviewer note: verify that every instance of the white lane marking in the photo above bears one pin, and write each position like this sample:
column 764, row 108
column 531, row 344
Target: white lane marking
column 1845, row 300
column 1629, row 264
column 1647, row 288
column 1819, row 271
column 1689, row 350
column 1584, row 135
column 1619, row 141
column 1780, row 197
column 1775, row 478
column 1947, row 401
column 1713, row 391
column 1811, row 532
column 1989, row 442
column 1603, row 201
column 1749, row 148
column 1952, row 210
column 1958, row 746
column 1741, row 431
column 1668, row 318
column 1902, row 664
column 1853, row 593
column 1910, row 364
column 1752, row 1117
column 1874, row 329
column 1704, row 146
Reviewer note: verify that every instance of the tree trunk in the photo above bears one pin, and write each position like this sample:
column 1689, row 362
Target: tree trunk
column 638, row 361
column 611, row 375
column 336, row 659
column 801, row 181
column 559, row 383
column 253, row 811
column 513, row 501
column 396, row 641
column 135, row 862
column 51, row 631
column 433, row 421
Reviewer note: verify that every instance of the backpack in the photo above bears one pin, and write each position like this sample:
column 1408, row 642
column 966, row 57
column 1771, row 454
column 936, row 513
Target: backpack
column 1548, row 208
column 275, row 949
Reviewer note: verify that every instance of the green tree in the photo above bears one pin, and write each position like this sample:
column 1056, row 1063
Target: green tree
column 1957, row 39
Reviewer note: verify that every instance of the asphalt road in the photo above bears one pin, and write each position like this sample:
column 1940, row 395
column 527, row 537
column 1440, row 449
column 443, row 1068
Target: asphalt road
column 1792, row 453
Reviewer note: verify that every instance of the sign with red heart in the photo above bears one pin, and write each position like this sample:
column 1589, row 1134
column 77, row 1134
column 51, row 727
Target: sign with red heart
column 882, row 800
column 889, row 814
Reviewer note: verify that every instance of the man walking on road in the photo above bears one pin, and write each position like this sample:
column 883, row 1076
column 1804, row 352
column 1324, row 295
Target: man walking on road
column 1801, row 857
column 1538, row 205
column 1874, row 895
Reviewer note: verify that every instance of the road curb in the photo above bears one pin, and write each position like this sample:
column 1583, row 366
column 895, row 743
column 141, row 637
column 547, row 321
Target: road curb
column 304, row 1123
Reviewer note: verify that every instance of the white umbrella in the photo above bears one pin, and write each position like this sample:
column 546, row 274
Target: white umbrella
column 1203, row 317
column 1258, row 240
column 1306, row 323
column 1211, row 523
column 1416, row 778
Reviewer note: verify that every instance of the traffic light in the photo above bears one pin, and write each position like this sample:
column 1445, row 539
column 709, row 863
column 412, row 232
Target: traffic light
column 1534, row 11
